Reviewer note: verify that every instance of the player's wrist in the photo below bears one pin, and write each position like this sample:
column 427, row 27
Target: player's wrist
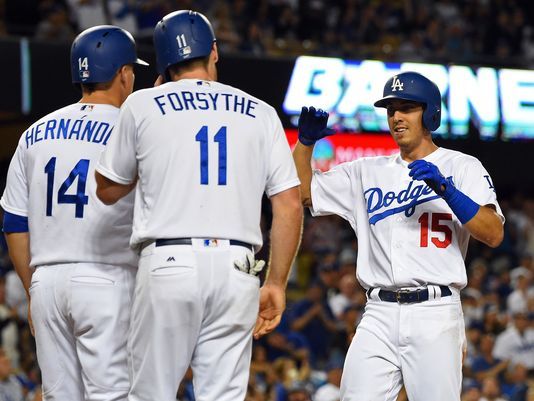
column 462, row 205
column 307, row 141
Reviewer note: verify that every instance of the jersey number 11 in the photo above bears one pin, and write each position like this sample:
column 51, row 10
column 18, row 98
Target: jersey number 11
column 220, row 138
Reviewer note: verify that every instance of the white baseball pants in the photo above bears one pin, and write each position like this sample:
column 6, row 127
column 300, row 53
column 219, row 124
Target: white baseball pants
column 80, row 313
column 419, row 345
column 192, row 307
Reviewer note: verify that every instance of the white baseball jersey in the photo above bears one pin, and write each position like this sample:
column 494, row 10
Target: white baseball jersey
column 517, row 347
column 216, row 148
column 51, row 181
column 407, row 235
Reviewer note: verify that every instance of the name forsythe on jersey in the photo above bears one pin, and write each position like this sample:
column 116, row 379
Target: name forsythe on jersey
column 186, row 101
column 382, row 204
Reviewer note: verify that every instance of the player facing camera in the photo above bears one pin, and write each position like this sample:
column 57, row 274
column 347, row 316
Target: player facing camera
column 413, row 213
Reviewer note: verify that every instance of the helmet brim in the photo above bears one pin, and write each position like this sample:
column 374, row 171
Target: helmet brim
column 386, row 100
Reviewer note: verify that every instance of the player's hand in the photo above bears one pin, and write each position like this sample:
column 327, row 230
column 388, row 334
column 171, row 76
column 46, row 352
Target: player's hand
column 430, row 174
column 272, row 305
column 312, row 125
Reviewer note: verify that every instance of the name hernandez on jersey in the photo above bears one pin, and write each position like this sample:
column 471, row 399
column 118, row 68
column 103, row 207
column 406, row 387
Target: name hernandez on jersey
column 407, row 235
column 51, row 181
column 69, row 129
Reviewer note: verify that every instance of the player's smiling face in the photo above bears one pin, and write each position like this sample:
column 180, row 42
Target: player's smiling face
column 405, row 120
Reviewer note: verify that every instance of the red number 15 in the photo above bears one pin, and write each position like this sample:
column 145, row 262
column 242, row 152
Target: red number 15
column 436, row 227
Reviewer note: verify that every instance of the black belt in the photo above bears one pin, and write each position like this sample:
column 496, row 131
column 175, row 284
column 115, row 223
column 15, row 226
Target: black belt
column 189, row 241
column 408, row 296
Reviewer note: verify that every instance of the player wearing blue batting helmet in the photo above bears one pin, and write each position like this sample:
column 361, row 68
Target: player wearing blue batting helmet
column 97, row 54
column 417, row 88
column 181, row 36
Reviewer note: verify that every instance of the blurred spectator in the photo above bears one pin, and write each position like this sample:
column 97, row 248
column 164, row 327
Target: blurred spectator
column 10, row 388
column 525, row 268
column 347, row 262
column 493, row 323
column 313, row 318
column 516, row 343
column 486, row 365
column 328, row 271
column 16, row 296
column 472, row 305
column 471, row 393
column 55, row 25
column 290, row 375
column 8, row 327
column 261, row 370
column 330, row 390
column 349, row 293
column 88, row 13
column 516, row 386
column 517, row 301
column 147, row 14
column 491, row 390
column 298, row 394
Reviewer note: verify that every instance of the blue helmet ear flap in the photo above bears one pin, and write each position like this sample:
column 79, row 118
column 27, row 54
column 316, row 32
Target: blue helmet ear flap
column 418, row 88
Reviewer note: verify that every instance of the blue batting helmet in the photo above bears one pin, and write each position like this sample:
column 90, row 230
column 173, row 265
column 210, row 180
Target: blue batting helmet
column 97, row 54
column 180, row 36
column 416, row 87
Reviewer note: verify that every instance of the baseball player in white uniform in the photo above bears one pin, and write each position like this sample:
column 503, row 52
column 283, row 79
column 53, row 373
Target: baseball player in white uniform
column 70, row 250
column 203, row 154
column 413, row 214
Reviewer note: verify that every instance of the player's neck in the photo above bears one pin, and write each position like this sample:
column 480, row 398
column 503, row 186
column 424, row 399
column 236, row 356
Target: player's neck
column 197, row 73
column 419, row 152
column 101, row 97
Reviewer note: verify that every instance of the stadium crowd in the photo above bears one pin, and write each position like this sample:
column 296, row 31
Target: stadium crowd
column 499, row 31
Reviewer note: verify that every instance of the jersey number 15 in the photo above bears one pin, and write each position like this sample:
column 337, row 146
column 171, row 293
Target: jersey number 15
column 435, row 220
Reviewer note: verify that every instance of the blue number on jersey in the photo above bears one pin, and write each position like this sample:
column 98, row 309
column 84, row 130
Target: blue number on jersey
column 80, row 199
column 220, row 138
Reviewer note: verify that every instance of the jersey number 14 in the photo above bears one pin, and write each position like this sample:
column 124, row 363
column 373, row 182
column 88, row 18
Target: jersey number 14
column 80, row 199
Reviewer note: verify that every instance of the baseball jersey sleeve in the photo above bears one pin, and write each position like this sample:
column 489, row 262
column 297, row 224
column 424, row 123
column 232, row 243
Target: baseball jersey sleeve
column 15, row 198
column 332, row 192
column 478, row 185
column 118, row 161
column 282, row 173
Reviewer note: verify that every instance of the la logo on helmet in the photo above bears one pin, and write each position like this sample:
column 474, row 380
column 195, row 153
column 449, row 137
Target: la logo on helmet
column 396, row 84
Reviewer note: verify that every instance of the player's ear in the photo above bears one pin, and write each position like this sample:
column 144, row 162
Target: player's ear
column 214, row 53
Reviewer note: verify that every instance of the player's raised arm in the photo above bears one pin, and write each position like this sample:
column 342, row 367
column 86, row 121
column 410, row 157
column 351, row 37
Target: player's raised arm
column 285, row 238
column 312, row 127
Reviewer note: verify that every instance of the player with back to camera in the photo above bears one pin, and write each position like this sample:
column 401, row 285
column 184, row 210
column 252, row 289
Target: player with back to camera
column 70, row 250
column 204, row 154
column 413, row 214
